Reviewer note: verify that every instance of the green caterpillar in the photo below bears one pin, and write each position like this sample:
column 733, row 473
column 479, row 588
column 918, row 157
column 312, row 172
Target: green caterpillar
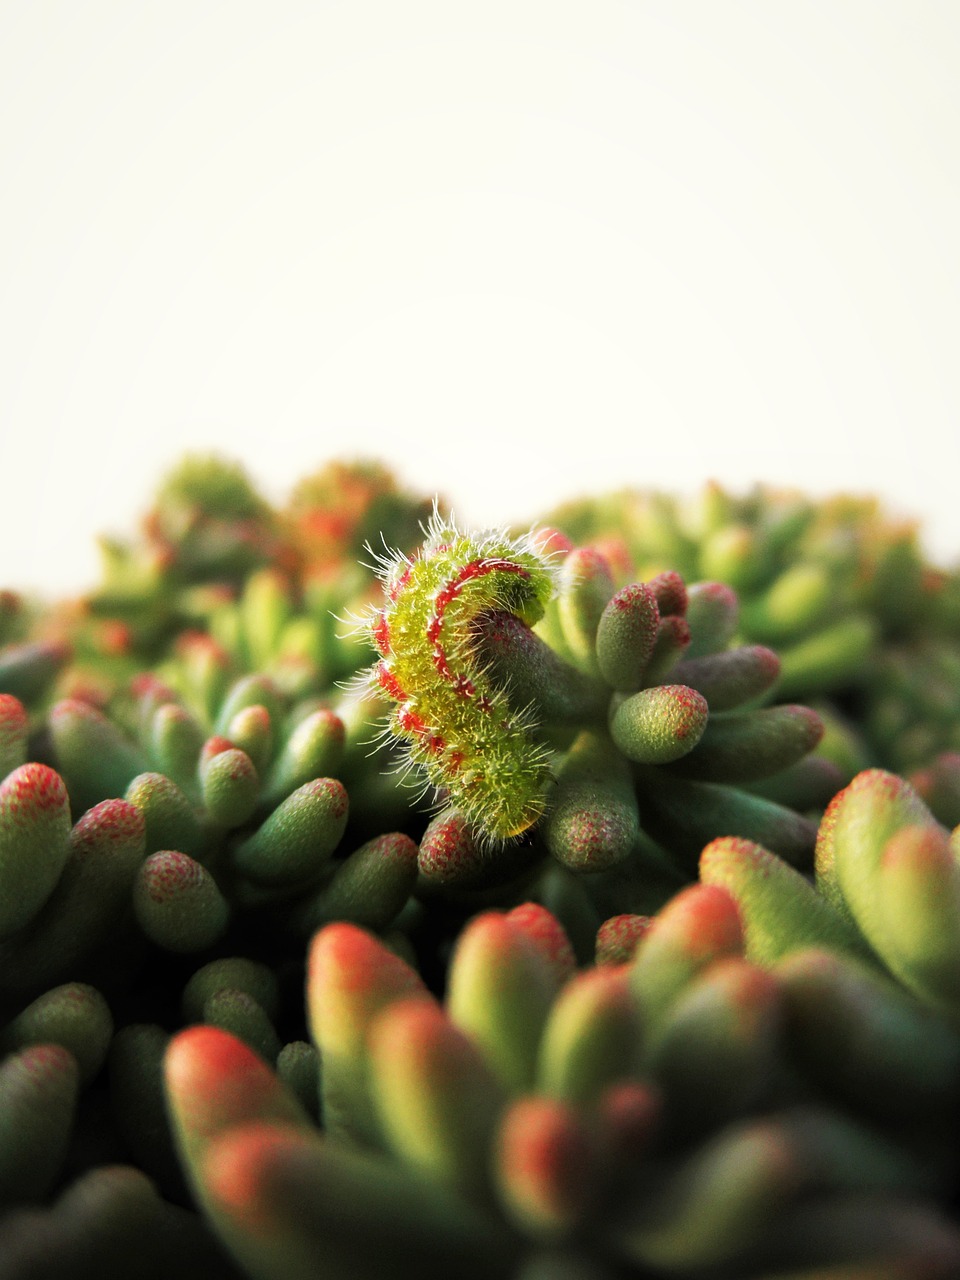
column 457, row 725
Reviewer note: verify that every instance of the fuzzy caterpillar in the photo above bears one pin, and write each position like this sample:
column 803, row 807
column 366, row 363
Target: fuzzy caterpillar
column 457, row 725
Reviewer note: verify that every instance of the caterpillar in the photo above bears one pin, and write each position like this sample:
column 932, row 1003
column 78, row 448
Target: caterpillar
column 457, row 726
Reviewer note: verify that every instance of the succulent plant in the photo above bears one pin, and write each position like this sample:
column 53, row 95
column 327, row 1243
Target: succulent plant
column 741, row 1097
column 665, row 983
column 335, row 514
column 839, row 587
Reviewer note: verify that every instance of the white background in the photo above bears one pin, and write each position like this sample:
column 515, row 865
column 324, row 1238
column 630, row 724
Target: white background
column 519, row 249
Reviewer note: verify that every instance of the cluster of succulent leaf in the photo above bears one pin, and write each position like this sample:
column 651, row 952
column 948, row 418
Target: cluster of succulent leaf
column 839, row 587
column 666, row 982
column 214, row 557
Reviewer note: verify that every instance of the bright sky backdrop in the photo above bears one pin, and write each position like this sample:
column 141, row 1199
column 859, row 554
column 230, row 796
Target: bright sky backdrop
column 521, row 249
